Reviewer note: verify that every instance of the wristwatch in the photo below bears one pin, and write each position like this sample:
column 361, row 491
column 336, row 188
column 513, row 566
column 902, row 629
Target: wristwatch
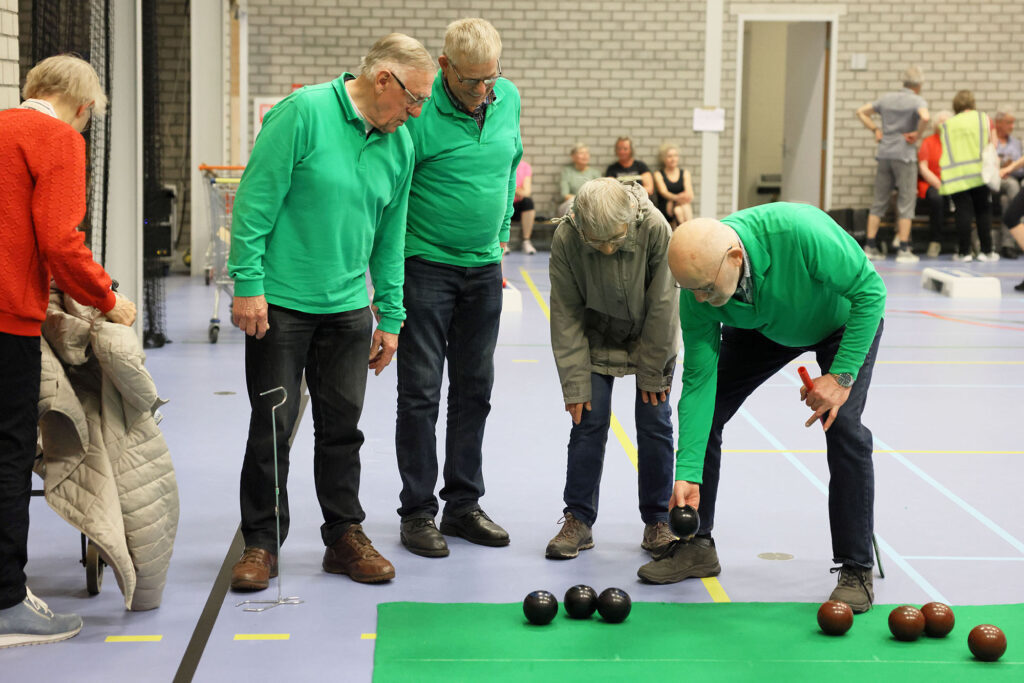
column 843, row 379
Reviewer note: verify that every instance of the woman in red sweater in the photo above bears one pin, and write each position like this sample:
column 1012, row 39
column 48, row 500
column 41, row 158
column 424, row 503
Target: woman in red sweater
column 42, row 202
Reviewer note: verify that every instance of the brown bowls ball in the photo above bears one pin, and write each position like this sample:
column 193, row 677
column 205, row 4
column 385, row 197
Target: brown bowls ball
column 835, row 618
column 938, row 619
column 906, row 623
column 987, row 642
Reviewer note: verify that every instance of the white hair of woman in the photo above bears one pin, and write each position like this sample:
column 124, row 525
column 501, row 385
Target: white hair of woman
column 603, row 206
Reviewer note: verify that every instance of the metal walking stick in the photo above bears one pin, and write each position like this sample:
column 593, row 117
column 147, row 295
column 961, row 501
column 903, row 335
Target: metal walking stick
column 277, row 515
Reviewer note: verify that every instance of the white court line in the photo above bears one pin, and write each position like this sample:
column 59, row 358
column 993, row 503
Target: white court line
column 964, row 505
column 932, row 592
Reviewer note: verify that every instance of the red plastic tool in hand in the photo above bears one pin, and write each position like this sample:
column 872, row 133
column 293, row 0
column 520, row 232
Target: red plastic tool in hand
column 808, row 383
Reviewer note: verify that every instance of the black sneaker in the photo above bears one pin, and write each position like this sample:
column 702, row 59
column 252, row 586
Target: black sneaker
column 1020, row 287
column 856, row 587
column 696, row 558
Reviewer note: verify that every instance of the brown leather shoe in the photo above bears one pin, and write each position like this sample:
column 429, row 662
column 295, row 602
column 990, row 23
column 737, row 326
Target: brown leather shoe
column 253, row 570
column 354, row 554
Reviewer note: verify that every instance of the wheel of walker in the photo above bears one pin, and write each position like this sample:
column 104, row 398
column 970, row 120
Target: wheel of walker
column 214, row 332
column 94, row 565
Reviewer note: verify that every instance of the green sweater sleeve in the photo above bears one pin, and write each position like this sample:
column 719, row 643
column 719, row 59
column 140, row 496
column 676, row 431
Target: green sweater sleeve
column 504, row 231
column 701, row 343
column 835, row 260
column 387, row 261
column 281, row 143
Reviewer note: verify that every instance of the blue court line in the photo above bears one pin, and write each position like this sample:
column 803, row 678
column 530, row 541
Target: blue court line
column 964, row 505
column 930, row 590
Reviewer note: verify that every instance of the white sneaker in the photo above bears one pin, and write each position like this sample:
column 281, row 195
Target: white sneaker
column 873, row 254
column 528, row 247
column 963, row 259
column 31, row 622
column 990, row 257
column 906, row 256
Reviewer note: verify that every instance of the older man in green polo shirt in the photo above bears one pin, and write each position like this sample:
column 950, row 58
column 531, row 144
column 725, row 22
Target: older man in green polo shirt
column 467, row 148
column 307, row 224
column 763, row 286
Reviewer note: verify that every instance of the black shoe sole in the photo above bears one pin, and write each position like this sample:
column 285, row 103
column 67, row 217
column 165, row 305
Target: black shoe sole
column 449, row 529
column 426, row 552
column 694, row 573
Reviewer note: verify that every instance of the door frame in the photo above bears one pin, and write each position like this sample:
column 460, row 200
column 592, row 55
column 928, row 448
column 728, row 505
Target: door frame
column 789, row 13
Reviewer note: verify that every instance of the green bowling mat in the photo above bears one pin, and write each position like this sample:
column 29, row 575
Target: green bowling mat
column 695, row 643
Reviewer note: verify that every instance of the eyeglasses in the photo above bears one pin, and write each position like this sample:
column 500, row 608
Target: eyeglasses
column 709, row 289
column 414, row 101
column 473, row 82
column 613, row 242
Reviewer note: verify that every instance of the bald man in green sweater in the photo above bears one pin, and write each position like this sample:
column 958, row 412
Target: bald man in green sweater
column 763, row 286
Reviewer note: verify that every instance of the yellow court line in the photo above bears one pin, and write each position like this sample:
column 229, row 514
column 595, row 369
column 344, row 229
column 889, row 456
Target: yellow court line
column 369, row 636
column 263, row 636
column 712, row 585
column 715, row 589
column 133, row 639
column 877, row 450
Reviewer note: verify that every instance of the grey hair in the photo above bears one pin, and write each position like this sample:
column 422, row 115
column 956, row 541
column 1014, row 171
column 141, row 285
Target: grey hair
column 1004, row 111
column 912, row 77
column 578, row 147
column 396, row 50
column 472, row 41
column 602, row 205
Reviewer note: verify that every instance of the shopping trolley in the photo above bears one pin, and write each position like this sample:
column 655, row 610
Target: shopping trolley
column 222, row 185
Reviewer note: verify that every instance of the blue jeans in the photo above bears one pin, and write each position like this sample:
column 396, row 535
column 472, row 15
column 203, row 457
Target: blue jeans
column 332, row 349
column 452, row 313
column 746, row 360
column 655, row 455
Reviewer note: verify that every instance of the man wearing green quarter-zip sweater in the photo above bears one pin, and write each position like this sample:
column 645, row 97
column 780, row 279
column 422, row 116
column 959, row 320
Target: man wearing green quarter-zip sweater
column 323, row 197
column 467, row 146
column 763, row 286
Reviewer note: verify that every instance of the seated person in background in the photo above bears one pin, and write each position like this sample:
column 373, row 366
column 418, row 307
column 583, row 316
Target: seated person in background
column 1013, row 216
column 614, row 312
column 929, row 182
column 522, row 204
column 1009, row 150
column 675, row 189
column 574, row 175
column 627, row 169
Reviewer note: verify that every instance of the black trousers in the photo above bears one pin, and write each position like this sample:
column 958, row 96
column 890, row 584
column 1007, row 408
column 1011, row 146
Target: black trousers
column 332, row 349
column 19, row 397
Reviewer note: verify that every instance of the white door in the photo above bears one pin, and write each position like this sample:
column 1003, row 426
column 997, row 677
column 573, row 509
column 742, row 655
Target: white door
column 803, row 131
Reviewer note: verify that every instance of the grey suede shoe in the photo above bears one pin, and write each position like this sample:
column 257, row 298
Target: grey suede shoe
column 657, row 537
column 31, row 622
column 856, row 587
column 573, row 537
column 696, row 558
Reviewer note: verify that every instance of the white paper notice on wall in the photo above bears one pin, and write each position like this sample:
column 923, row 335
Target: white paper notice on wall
column 710, row 119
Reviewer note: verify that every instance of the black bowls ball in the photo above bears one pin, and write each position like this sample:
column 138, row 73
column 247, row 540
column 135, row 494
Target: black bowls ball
column 540, row 607
column 580, row 602
column 613, row 605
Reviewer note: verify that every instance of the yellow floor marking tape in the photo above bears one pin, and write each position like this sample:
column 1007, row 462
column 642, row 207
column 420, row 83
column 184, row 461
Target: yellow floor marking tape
column 369, row 636
column 712, row 585
column 134, row 639
column 263, row 636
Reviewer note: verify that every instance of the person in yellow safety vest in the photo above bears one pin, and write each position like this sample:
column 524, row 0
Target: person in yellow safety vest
column 963, row 138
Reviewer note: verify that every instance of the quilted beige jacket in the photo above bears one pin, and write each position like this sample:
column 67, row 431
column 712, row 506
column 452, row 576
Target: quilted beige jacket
column 106, row 466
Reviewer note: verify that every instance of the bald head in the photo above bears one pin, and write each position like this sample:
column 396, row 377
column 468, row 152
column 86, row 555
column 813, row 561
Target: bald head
column 705, row 258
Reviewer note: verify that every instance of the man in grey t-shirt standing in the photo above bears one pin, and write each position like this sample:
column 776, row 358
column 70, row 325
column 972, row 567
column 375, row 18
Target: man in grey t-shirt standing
column 904, row 116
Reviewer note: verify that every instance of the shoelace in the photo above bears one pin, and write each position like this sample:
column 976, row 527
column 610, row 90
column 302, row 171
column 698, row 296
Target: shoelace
column 845, row 578
column 570, row 525
column 37, row 604
column 363, row 545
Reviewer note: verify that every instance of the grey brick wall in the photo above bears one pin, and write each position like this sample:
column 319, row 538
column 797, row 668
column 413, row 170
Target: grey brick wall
column 9, row 75
column 592, row 70
column 588, row 70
